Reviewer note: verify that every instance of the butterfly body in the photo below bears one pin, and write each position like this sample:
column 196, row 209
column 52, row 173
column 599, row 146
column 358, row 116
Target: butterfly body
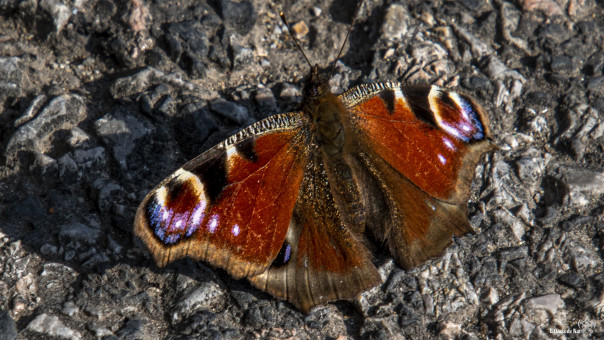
column 288, row 202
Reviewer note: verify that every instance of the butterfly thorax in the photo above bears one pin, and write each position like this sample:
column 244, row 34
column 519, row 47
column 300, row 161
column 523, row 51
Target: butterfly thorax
column 324, row 109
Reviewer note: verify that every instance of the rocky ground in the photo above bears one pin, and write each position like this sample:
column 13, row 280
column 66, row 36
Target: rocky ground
column 100, row 100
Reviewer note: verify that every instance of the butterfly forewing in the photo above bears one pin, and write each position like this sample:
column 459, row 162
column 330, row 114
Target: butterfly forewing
column 421, row 144
column 230, row 206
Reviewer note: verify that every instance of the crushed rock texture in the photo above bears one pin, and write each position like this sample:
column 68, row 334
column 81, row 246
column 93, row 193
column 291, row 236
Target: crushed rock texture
column 100, row 100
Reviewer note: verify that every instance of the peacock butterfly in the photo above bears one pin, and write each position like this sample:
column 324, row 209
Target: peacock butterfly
column 286, row 202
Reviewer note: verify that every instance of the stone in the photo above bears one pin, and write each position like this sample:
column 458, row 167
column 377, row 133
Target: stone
column 188, row 45
column 194, row 125
column 77, row 235
column 396, row 21
column 10, row 78
column 49, row 249
column 583, row 258
column 119, row 130
column 266, row 101
column 239, row 16
column 148, row 77
column 562, row 64
column 584, row 185
column 549, row 7
column 8, row 328
column 50, row 325
column 571, row 279
column 515, row 253
column 59, row 12
column 300, row 29
column 242, row 56
column 521, row 329
column 235, row 113
column 531, row 168
column 133, row 329
column 203, row 296
column 70, row 309
column 108, row 191
column 37, row 135
column 550, row 302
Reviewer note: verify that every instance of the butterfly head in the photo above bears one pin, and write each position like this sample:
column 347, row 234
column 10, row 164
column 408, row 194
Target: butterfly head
column 315, row 84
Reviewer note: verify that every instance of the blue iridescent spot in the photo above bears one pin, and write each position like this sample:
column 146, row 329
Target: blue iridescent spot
column 213, row 224
column 284, row 255
column 171, row 227
column 442, row 159
column 235, row 230
column 469, row 112
column 159, row 217
column 287, row 255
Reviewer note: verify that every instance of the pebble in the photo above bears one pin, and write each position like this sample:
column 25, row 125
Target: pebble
column 10, row 77
column 203, row 296
column 449, row 330
column 549, row 7
column 316, row 11
column 266, row 101
column 50, row 325
column 140, row 81
column 119, row 130
column 531, row 167
column 550, row 302
column 242, row 56
column 563, row 64
column 576, row 222
column 195, row 124
column 583, row 259
column 49, row 249
column 521, row 329
column 31, row 111
column 77, row 235
column 235, row 113
column 70, row 309
column 290, row 94
column 571, row 279
column 61, row 113
column 239, row 16
column 8, row 328
column 300, row 29
column 515, row 253
column 133, row 329
column 585, row 185
column 396, row 21
column 554, row 33
column 188, row 45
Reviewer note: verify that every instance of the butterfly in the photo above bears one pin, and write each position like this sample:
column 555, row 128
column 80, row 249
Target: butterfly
column 288, row 202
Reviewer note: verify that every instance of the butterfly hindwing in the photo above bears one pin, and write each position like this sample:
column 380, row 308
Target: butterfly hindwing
column 421, row 144
column 231, row 206
column 324, row 259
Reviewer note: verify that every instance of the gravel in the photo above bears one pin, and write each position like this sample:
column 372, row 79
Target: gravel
column 100, row 100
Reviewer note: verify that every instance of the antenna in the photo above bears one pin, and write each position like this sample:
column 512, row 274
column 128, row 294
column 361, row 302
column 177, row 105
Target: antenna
column 282, row 15
column 354, row 19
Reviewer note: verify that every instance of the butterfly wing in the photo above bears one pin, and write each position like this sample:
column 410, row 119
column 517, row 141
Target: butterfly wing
column 232, row 205
column 421, row 145
column 322, row 258
column 259, row 206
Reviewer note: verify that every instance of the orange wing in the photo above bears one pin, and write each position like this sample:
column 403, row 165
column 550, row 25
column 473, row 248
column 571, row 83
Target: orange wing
column 421, row 144
column 231, row 206
column 322, row 258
